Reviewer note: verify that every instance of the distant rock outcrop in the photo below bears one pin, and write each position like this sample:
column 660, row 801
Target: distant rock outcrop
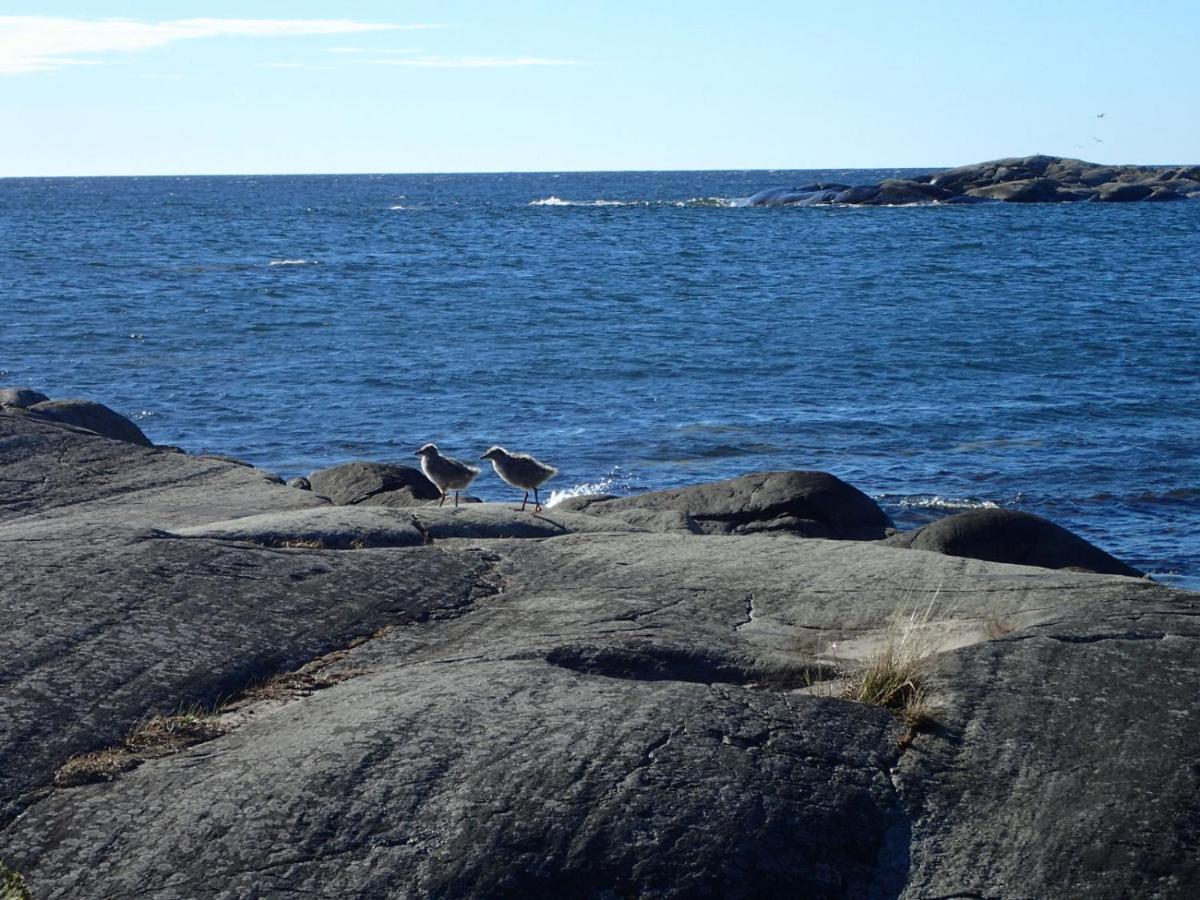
column 1029, row 179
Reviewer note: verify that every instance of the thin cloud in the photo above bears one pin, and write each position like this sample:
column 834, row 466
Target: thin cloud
column 473, row 62
column 292, row 65
column 369, row 50
column 45, row 43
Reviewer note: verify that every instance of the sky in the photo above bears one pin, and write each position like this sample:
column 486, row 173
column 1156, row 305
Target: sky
column 144, row 88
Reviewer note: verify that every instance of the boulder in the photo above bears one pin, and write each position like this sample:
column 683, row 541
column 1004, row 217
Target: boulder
column 21, row 397
column 813, row 504
column 300, row 483
column 1011, row 536
column 357, row 482
column 94, row 417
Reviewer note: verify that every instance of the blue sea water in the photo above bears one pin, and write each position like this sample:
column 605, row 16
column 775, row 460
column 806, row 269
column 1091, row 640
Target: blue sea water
column 639, row 330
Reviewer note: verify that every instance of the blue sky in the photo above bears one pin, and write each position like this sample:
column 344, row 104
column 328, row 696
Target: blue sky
column 172, row 88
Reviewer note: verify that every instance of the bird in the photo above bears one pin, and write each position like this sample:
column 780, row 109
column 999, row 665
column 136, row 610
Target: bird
column 445, row 473
column 521, row 471
column 1099, row 115
column 1097, row 140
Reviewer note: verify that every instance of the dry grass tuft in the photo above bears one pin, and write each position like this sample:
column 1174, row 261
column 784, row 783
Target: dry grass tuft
column 302, row 544
column 898, row 675
column 155, row 737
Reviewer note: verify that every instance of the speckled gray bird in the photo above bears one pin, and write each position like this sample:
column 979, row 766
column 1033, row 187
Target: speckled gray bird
column 521, row 471
column 447, row 474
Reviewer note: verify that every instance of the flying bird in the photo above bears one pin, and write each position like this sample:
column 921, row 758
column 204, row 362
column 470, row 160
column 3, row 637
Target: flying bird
column 521, row 471
column 445, row 473
column 1099, row 115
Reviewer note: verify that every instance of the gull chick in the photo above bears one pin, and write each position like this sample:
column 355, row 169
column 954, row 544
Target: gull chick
column 521, row 471
column 445, row 473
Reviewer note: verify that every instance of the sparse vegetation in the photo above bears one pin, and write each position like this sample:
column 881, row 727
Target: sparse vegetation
column 898, row 674
column 155, row 737
column 12, row 885
column 162, row 735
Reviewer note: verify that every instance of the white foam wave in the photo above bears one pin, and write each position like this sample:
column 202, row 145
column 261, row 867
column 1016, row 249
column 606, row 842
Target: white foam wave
column 933, row 501
column 718, row 202
column 292, row 262
column 616, row 482
column 559, row 201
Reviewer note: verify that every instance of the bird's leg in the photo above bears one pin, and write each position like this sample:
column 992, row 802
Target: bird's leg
column 456, row 499
column 523, row 502
column 537, row 504
column 443, row 500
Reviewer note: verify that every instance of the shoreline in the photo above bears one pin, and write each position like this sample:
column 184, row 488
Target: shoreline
column 478, row 700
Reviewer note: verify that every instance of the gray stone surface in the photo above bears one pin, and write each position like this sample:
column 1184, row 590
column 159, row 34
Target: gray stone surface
column 1012, row 536
column 1066, row 762
column 566, row 705
column 361, row 482
column 93, row 416
column 51, row 472
column 815, row 504
column 361, row 527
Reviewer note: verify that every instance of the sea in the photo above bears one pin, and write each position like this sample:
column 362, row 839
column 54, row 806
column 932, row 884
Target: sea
column 639, row 330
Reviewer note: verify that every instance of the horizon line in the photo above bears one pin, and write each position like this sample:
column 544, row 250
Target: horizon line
column 376, row 173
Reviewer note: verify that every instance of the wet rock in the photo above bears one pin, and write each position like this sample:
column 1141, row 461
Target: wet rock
column 1011, row 536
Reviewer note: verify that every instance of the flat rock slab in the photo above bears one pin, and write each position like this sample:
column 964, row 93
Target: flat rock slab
column 597, row 722
column 476, row 521
column 494, row 779
column 323, row 528
column 361, row 526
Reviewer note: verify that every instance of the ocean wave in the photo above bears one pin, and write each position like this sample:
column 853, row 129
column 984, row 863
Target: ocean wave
column 935, row 501
column 715, row 202
column 559, row 201
column 616, row 482
column 293, row 262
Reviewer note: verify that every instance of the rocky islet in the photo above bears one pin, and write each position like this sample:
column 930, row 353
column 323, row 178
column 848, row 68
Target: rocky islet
column 1028, row 179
